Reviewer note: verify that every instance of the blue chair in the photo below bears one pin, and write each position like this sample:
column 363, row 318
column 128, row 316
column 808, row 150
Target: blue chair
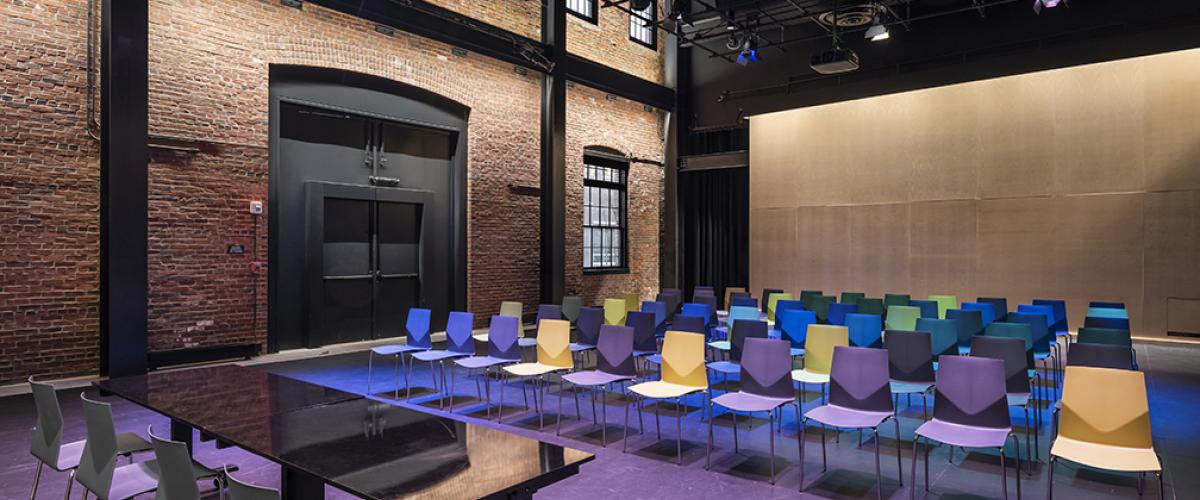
column 1042, row 337
column 1109, row 305
column 987, row 311
column 943, row 335
column 1060, row 313
column 929, row 308
column 793, row 327
column 970, row 324
column 999, row 303
column 659, row 309
column 701, row 310
column 459, row 344
column 1107, row 312
column 417, row 328
column 838, row 312
column 743, row 302
column 866, row 330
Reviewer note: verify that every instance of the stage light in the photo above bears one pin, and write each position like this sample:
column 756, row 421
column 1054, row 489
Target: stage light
column 749, row 52
column 1038, row 5
column 877, row 32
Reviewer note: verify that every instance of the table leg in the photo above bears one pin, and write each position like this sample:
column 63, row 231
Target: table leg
column 181, row 432
column 300, row 485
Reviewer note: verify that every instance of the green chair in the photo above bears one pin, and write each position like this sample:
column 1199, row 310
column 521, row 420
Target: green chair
column 894, row 299
column 871, row 305
column 851, row 297
column 820, row 305
column 945, row 303
column 806, row 295
column 902, row 318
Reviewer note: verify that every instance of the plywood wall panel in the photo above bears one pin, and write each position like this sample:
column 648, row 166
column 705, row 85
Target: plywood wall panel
column 773, row 248
column 880, row 170
column 1172, row 240
column 1172, row 150
column 776, row 186
column 878, row 248
column 942, row 249
column 1015, row 245
column 822, row 248
column 943, row 142
column 1098, row 245
column 1099, row 127
column 1016, row 126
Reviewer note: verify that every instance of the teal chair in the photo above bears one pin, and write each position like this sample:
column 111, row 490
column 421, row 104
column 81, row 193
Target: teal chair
column 943, row 335
column 970, row 323
column 945, row 303
column 902, row 318
column 1107, row 312
column 866, row 330
column 1108, row 336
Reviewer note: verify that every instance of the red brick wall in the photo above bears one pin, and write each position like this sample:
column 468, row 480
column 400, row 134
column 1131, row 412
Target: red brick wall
column 607, row 42
column 523, row 17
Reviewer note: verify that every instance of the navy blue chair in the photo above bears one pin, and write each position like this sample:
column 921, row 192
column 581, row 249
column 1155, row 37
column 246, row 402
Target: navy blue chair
column 929, row 308
column 1000, row 303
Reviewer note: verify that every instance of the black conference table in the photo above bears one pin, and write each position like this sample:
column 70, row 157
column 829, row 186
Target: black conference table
column 368, row 448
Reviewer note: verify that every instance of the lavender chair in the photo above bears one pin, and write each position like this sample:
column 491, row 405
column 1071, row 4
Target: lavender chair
column 645, row 343
column 674, row 298
column 459, row 344
column 742, row 330
column 703, row 291
column 910, row 365
column 859, row 398
column 1017, row 382
column 502, row 350
column 587, row 329
column 970, row 410
column 766, row 386
column 614, row 365
column 417, row 328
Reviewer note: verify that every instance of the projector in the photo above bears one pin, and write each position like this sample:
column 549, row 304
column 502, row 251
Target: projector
column 835, row 61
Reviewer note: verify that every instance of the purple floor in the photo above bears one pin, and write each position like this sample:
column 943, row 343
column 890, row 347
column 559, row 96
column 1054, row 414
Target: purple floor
column 649, row 471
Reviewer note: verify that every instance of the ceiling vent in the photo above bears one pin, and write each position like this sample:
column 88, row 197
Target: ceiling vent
column 854, row 16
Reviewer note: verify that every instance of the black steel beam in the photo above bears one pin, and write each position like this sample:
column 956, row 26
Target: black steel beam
column 554, row 160
column 124, row 156
column 601, row 77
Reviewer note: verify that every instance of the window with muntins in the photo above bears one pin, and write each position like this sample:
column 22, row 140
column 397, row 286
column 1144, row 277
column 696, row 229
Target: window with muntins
column 641, row 26
column 585, row 9
column 605, row 195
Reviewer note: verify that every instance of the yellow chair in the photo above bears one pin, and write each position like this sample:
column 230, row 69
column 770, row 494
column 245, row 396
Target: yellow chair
column 553, row 355
column 774, row 301
column 633, row 301
column 683, row 373
column 945, row 303
column 818, row 354
column 507, row 308
column 1105, row 424
column 729, row 291
column 614, row 311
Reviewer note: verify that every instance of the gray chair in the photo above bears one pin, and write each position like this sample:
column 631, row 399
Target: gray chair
column 47, row 445
column 98, row 472
column 177, row 472
column 570, row 308
column 243, row 491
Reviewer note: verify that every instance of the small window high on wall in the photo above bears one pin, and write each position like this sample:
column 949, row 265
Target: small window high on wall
column 605, row 179
column 585, row 9
column 641, row 25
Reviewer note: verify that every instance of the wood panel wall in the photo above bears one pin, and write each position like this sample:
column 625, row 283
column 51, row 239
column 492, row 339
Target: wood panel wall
column 1080, row 183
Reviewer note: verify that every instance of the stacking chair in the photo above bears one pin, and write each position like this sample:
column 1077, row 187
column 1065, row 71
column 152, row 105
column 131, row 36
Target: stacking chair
column 502, row 350
column 633, row 301
column 672, row 306
column 513, row 308
column 1022, row 331
column 969, row 323
column 701, row 310
column 743, row 302
column 742, row 330
column 943, row 335
column 788, row 304
column 901, row 318
column 793, row 327
column 659, row 310
column 689, row 323
column 98, row 471
column 859, row 398
column 1111, row 336
column 711, row 302
column 838, row 312
column 1107, row 312
column 773, row 302
column 553, row 355
column 970, row 410
column 735, row 314
column 459, row 344
column 999, row 306
column 945, row 303
column 766, row 297
column 587, row 329
column 987, row 312
column 702, row 291
column 1112, row 323
column 674, row 298
column 1017, row 381
column 1059, row 307
column 644, row 341
column 866, row 330
column 417, row 327
column 614, row 312
column 894, row 299
column 818, row 355
column 910, row 365
column 1097, row 433
column 570, row 308
column 47, row 446
column 176, row 471
column 929, row 308
column 1106, row 305
column 683, row 373
column 809, row 297
column 871, row 305
column 614, row 365
column 765, row 387
column 1101, row 356
column 729, row 291
column 239, row 490
column 548, row 311
column 820, row 305
column 1043, row 338
column 738, row 295
column 851, row 298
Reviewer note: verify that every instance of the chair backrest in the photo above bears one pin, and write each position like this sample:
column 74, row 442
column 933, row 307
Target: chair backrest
column 808, row 294
column 970, row 391
column 987, row 312
column 793, row 325
column 1012, row 331
column 1107, row 305
column 929, row 308
column 851, row 297
column 1046, row 310
column 821, row 304
column 47, row 434
column 1060, row 313
column 741, row 313
column 1107, row 312
column 767, row 368
column 554, row 343
column 570, row 308
column 683, row 359
column 969, row 323
column 1039, row 329
column 633, row 300
column 674, row 299
column 945, row 303
column 703, row 291
column 688, row 323
column 239, row 490
column 895, row 299
column 99, row 459
column 711, row 302
column 548, row 311
column 859, row 379
column 943, row 335
column 502, row 338
column 866, row 330
column 999, row 306
column 838, row 312
column 176, row 479
column 643, row 330
column 417, row 326
column 588, row 326
column 658, row 309
column 512, row 308
column 1105, row 406
column 741, row 331
column 697, row 309
column 614, row 311
column 766, row 296
column 788, row 304
column 910, row 357
column 1113, row 323
column 818, row 347
column 458, row 332
column 1012, row 352
column 616, row 351
column 729, row 291
column 743, row 301
column 1101, row 356
column 774, row 301
column 902, row 318
column 1111, row 336
column 871, row 305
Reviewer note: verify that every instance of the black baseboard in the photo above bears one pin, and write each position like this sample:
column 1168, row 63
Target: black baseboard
column 162, row 359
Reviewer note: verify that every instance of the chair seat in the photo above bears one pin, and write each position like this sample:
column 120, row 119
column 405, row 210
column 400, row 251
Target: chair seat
column 69, row 455
column 741, row 401
column 438, row 355
column 131, row 480
column 964, row 350
column 1018, row 398
column 532, row 369
column 725, row 367
column 199, row 470
column 480, row 337
column 593, row 378
column 901, row 387
column 722, row 345
column 475, row 362
column 807, row 377
column 1038, row 356
column 797, row 352
column 655, row 358
column 663, row 390
column 394, row 349
column 967, row 436
column 577, row 347
column 527, row 341
column 1116, row 458
column 847, row 418
column 638, row 354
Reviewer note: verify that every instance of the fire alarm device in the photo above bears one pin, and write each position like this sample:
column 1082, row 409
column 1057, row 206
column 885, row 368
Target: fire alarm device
column 256, row 207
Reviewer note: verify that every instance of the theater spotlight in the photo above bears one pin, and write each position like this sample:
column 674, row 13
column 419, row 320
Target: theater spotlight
column 1038, row 5
column 877, row 32
column 749, row 52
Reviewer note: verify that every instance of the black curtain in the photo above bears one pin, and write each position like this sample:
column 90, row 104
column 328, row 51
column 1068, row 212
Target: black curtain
column 715, row 209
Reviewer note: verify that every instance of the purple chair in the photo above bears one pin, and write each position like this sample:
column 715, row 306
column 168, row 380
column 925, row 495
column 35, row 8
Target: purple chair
column 859, row 398
column 615, row 364
column 711, row 302
column 766, row 386
column 502, row 350
column 742, row 330
column 688, row 323
column 910, row 365
column 674, row 298
column 1017, row 381
column 970, row 410
column 704, row 291
column 458, row 344
column 417, row 327
column 644, row 341
column 587, row 329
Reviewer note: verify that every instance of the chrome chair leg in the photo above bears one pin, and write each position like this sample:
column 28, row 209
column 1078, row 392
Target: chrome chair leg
column 878, row 473
column 899, row 466
column 770, row 424
column 37, row 476
column 679, row 429
column 70, row 483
